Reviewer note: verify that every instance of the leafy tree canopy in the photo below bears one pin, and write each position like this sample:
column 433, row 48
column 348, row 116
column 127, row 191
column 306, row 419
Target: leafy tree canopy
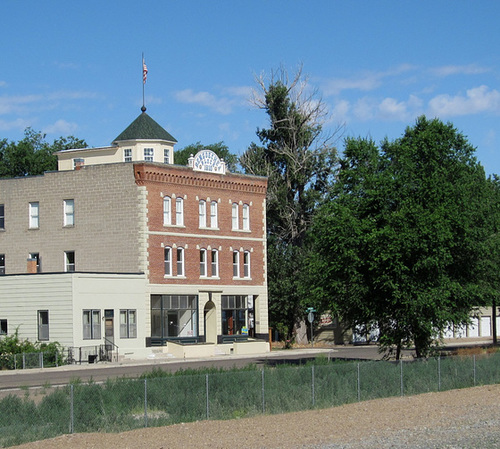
column 398, row 245
column 220, row 149
column 33, row 155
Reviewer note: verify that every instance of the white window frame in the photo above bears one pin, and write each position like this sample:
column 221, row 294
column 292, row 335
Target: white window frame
column 180, row 261
column 149, row 154
column 127, row 155
column 236, row 264
column 34, row 215
column 213, row 215
column 214, row 263
column 246, row 217
column 92, row 328
column 128, row 323
column 202, row 212
column 179, row 211
column 43, row 328
column 246, row 264
column 167, row 257
column 203, row 263
column 166, row 156
column 167, row 211
column 69, row 267
column 234, row 216
column 69, row 212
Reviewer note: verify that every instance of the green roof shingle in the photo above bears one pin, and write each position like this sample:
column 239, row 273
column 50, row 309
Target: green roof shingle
column 144, row 127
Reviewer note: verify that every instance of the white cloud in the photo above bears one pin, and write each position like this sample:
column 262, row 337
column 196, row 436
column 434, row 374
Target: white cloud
column 476, row 100
column 390, row 108
column 3, row 84
column 61, row 127
column 221, row 105
column 447, row 70
column 18, row 124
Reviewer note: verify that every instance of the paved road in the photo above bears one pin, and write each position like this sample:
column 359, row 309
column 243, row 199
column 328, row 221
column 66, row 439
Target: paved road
column 132, row 369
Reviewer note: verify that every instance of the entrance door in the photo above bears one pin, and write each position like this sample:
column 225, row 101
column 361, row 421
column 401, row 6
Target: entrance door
column 109, row 331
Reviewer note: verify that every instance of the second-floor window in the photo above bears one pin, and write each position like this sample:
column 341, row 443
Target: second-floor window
column 215, row 263
column 36, row 256
column 236, row 264
column 166, row 156
column 167, row 211
column 34, row 211
column 127, row 155
column 213, row 214
column 202, row 214
column 246, row 217
column 2, row 216
column 167, row 254
column 234, row 216
column 148, row 154
column 69, row 212
column 180, row 261
column 179, row 211
column 203, row 262
column 246, row 264
column 69, row 261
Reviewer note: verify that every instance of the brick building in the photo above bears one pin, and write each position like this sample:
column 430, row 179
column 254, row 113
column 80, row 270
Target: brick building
column 122, row 248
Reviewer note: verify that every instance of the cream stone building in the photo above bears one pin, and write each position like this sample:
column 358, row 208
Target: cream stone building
column 124, row 251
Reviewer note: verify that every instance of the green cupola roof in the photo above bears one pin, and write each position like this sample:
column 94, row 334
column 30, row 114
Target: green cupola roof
column 144, row 127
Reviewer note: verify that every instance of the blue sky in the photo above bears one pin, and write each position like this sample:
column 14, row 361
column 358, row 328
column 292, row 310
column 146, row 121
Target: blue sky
column 74, row 68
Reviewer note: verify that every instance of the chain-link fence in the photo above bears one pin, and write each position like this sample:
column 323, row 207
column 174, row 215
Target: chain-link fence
column 162, row 398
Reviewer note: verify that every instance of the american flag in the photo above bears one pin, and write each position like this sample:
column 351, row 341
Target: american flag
column 144, row 72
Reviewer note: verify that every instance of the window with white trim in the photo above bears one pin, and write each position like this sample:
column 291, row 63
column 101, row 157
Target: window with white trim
column 148, row 154
column 180, row 261
column 168, row 260
column 234, row 216
column 213, row 214
column 91, row 324
column 69, row 261
column 203, row 262
column 179, row 211
column 78, row 162
column 69, row 212
column 167, row 211
column 214, row 262
column 34, row 211
column 2, row 216
column 166, row 156
column 246, row 217
column 246, row 264
column 127, row 155
column 236, row 264
column 202, row 214
column 43, row 325
column 128, row 323
column 3, row 327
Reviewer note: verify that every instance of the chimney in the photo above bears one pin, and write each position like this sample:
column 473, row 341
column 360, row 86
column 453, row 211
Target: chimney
column 32, row 266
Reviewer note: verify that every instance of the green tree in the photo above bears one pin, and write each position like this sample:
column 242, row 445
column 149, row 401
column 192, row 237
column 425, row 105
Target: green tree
column 220, row 149
column 298, row 160
column 33, row 155
column 398, row 246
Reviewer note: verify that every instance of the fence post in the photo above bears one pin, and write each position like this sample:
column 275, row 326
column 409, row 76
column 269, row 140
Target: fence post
column 71, row 410
column 312, row 384
column 402, row 384
column 439, row 373
column 24, row 360
column 474, row 358
column 359, row 385
column 263, row 393
column 206, row 385
column 145, row 402
column 41, row 359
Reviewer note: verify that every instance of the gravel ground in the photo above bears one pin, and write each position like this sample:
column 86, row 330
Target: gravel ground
column 468, row 418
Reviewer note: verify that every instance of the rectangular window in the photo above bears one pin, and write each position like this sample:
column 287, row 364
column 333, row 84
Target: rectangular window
column 180, row 261
column 91, row 324
column 128, row 324
column 43, row 325
column 69, row 212
column 246, row 217
column 203, row 262
column 167, row 207
column 234, row 216
column 77, row 163
column 3, row 327
column 236, row 264
column 234, row 315
column 202, row 214
column 36, row 256
column 127, row 155
column 246, row 264
column 174, row 316
column 179, row 212
column 148, row 154
column 168, row 261
column 2, row 264
column 166, row 156
column 69, row 261
column 215, row 263
column 213, row 214
column 2, row 216
column 34, row 211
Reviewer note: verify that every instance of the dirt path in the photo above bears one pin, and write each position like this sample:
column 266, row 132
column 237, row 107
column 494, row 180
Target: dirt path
column 452, row 419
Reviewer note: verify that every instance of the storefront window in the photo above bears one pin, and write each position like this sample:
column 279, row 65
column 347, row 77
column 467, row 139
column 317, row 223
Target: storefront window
column 235, row 314
column 174, row 317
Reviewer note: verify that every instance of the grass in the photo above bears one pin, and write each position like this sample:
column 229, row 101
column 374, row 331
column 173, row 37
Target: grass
column 120, row 404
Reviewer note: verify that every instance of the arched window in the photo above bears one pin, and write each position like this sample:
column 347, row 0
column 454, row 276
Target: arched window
column 203, row 214
column 179, row 211
column 203, row 262
column 167, row 211
column 213, row 214
column 234, row 216
column 246, row 217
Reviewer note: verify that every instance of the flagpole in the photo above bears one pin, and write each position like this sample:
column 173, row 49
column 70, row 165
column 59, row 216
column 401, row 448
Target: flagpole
column 143, row 109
